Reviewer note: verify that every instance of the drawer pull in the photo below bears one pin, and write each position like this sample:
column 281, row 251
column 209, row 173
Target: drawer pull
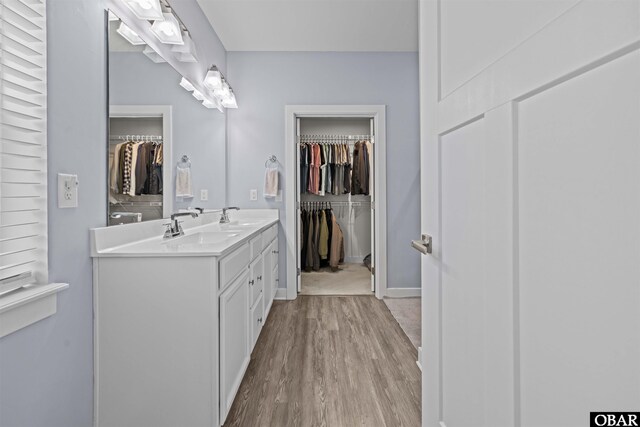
column 275, row 252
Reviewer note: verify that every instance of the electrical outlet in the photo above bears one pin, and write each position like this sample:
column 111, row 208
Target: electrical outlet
column 204, row 195
column 253, row 195
column 67, row 190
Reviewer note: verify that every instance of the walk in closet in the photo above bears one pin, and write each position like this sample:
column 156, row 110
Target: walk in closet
column 139, row 144
column 335, row 199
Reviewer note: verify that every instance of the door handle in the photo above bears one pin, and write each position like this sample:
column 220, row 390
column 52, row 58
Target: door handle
column 425, row 245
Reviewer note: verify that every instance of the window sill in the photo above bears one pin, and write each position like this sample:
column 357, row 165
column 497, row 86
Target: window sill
column 28, row 305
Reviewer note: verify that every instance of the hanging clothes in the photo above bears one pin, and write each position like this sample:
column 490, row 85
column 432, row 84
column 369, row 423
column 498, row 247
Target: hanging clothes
column 337, row 245
column 136, row 168
column 360, row 174
column 322, row 240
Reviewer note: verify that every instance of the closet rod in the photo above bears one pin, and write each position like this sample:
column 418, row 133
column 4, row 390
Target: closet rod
column 336, row 139
column 135, row 137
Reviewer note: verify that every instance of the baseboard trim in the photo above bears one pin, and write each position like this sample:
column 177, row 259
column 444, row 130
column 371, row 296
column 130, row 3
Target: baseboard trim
column 403, row 292
column 281, row 294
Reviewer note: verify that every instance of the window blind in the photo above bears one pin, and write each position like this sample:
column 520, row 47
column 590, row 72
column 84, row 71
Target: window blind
column 23, row 140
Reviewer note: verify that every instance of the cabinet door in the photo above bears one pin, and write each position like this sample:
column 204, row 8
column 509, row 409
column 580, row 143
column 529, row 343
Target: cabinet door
column 256, row 282
column 257, row 320
column 274, row 268
column 268, row 279
column 276, row 281
column 234, row 340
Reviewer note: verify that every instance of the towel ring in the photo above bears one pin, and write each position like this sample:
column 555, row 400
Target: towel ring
column 186, row 161
column 272, row 159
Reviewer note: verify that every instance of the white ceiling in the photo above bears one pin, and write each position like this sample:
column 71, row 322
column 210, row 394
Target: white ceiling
column 315, row 25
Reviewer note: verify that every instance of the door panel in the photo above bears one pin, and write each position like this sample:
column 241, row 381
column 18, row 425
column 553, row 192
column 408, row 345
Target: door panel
column 463, row 275
column 579, row 239
column 530, row 176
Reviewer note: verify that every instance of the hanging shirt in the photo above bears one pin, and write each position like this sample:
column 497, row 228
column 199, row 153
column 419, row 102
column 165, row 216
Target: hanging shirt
column 323, row 240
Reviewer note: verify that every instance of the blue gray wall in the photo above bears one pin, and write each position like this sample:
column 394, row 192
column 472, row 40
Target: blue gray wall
column 46, row 369
column 198, row 132
column 265, row 82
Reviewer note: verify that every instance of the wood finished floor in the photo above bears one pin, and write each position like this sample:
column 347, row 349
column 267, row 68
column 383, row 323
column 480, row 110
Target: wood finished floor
column 330, row 361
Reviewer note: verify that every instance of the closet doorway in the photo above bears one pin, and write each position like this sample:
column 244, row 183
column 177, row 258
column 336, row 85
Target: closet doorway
column 336, row 224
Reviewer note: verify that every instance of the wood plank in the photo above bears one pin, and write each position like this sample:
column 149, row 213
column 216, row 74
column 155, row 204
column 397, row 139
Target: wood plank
column 330, row 361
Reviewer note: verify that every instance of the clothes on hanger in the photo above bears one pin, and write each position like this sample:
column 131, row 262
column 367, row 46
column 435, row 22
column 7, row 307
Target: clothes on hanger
column 361, row 165
column 329, row 168
column 136, row 168
column 322, row 240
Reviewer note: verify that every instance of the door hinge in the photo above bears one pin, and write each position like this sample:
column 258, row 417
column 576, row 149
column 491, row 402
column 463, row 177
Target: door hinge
column 373, row 271
column 299, row 271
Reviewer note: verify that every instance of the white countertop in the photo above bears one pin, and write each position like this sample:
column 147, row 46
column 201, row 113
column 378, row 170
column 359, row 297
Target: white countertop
column 204, row 236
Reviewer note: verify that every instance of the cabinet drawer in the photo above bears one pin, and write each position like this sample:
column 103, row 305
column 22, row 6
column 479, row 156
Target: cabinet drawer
column 233, row 264
column 256, row 246
column 257, row 320
column 269, row 234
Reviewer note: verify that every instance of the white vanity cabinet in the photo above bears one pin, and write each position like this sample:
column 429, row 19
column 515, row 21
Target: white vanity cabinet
column 270, row 255
column 175, row 326
column 260, row 293
column 235, row 350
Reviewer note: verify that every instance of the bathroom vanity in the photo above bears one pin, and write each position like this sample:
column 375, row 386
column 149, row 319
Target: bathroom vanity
column 176, row 319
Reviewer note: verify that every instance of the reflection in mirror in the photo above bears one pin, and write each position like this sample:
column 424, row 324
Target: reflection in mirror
column 153, row 122
column 138, row 137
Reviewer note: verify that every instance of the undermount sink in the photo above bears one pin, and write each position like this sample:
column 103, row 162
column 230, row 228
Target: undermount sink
column 204, row 238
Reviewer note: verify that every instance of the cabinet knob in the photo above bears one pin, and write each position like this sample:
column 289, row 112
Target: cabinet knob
column 260, row 320
column 275, row 252
column 251, row 282
column 259, row 277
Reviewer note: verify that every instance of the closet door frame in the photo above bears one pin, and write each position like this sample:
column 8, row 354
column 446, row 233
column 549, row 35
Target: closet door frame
column 379, row 239
column 164, row 111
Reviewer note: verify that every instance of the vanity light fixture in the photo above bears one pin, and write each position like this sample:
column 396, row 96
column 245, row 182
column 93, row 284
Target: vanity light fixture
column 168, row 31
column 223, row 92
column 198, row 95
column 129, row 35
column 186, row 84
column 213, row 79
column 145, row 9
column 186, row 52
column 153, row 55
column 230, row 102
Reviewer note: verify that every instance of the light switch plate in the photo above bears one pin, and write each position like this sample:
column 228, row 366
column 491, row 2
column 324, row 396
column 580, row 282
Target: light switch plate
column 67, row 190
column 204, row 195
column 253, row 195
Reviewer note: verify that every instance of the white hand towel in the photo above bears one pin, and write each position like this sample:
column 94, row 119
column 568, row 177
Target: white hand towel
column 271, row 182
column 183, row 182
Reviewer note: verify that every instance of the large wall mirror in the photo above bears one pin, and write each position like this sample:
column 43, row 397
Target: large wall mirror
column 153, row 125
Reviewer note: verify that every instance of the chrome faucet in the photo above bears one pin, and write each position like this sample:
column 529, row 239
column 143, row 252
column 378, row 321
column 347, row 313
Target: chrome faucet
column 174, row 228
column 224, row 219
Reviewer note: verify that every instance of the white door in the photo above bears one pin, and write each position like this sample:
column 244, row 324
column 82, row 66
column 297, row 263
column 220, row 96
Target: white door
column 372, row 180
column 298, row 219
column 530, row 115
